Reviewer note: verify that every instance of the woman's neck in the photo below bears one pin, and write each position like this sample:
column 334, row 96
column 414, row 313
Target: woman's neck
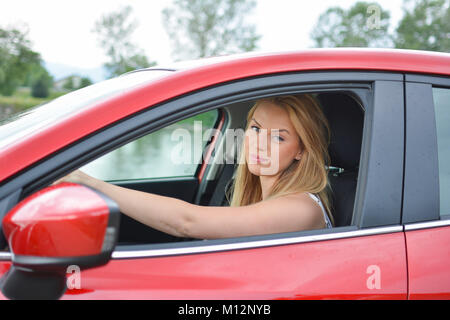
column 267, row 183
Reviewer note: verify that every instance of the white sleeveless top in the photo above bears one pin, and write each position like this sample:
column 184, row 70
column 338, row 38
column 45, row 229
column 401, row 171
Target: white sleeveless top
column 325, row 215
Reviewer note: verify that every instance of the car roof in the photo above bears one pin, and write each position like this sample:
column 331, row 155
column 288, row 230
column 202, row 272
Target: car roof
column 334, row 58
column 23, row 150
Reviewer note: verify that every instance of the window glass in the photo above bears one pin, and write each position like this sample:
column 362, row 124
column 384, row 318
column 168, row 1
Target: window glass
column 441, row 98
column 173, row 151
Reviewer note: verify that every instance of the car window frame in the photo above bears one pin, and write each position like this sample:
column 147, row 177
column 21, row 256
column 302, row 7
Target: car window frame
column 377, row 90
column 421, row 201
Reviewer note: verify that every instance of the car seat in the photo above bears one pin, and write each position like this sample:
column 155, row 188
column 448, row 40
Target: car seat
column 346, row 120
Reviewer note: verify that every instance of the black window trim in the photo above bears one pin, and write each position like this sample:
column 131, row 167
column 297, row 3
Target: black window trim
column 363, row 84
column 382, row 158
column 421, row 200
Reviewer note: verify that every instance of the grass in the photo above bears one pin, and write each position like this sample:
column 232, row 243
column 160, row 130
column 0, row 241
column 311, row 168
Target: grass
column 22, row 100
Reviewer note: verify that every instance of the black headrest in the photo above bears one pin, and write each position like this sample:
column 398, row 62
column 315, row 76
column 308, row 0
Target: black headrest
column 346, row 120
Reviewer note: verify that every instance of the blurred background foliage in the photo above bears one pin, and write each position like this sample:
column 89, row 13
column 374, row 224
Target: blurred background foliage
column 205, row 28
column 202, row 28
column 425, row 25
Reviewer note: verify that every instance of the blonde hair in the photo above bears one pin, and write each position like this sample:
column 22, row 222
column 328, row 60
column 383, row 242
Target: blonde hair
column 309, row 174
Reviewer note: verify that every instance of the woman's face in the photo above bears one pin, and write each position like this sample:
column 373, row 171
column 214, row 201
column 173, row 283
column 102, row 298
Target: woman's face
column 271, row 142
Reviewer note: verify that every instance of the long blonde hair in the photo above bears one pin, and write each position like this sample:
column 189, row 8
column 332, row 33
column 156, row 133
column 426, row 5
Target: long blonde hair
column 309, row 174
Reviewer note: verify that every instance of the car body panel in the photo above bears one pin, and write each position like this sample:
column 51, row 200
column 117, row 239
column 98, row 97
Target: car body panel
column 428, row 263
column 4, row 267
column 334, row 269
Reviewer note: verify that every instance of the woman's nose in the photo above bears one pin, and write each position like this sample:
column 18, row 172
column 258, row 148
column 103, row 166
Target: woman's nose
column 263, row 141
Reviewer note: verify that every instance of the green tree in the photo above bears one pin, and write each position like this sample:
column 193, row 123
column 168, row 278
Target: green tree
column 425, row 26
column 69, row 84
column 114, row 32
column 365, row 24
column 85, row 81
column 75, row 82
column 202, row 28
column 17, row 59
column 34, row 71
column 42, row 85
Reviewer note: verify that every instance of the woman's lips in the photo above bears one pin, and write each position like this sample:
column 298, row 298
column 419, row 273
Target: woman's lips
column 257, row 159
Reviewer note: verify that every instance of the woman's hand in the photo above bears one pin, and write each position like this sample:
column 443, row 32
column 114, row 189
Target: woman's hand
column 76, row 176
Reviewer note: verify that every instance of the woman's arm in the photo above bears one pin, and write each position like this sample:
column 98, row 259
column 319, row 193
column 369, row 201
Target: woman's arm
column 166, row 214
column 183, row 219
column 290, row 213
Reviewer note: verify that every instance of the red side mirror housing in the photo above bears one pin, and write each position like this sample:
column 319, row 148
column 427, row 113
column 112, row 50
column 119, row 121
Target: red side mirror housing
column 62, row 225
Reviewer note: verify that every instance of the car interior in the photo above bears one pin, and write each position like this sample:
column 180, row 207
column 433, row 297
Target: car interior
column 346, row 119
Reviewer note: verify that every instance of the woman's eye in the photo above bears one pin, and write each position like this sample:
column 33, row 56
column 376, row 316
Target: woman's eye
column 254, row 128
column 278, row 138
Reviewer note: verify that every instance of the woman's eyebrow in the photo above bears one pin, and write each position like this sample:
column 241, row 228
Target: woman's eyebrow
column 274, row 129
column 256, row 122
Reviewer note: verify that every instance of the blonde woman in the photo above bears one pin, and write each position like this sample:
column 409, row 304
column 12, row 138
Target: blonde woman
column 280, row 184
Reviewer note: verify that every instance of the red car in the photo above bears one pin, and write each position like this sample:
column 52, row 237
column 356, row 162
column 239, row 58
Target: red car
column 389, row 112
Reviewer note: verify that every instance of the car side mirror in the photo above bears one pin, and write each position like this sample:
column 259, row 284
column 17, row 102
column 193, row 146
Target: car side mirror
column 60, row 226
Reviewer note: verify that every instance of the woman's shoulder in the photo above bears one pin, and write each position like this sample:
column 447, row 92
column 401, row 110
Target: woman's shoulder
column 302, row 196
column 305, row 199
column 309, row 202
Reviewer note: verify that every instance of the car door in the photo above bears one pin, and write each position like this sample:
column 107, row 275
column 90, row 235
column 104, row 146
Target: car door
column 363, row 260
column 146, row 165
column 426, row 209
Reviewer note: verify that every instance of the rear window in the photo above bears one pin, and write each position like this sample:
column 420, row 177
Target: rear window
column 441, row 97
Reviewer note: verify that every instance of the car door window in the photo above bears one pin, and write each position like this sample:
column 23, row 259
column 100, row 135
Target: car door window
column 173, row 151
column 441, row 97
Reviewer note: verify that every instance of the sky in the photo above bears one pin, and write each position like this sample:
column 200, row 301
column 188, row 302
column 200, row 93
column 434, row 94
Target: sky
column 61, row 30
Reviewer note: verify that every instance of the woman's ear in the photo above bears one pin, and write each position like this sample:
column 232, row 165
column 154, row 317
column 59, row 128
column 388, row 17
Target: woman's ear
column 298, row 156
